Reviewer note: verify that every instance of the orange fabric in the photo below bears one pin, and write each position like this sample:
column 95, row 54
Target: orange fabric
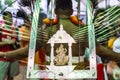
column 39, row 55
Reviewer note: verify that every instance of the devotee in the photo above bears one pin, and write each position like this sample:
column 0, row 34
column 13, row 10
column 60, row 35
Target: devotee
column 63, row 13
column 63, row 17
column 25, row 36
column 8, row 67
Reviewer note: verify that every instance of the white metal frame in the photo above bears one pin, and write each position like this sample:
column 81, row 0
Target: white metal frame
column 75, row 74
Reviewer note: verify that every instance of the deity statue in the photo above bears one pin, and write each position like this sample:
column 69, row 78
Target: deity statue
column 61, row 58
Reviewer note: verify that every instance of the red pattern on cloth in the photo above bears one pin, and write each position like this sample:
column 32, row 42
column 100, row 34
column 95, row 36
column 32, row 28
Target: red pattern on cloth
column 4, row 37
column 100, row 72
column 42, row 57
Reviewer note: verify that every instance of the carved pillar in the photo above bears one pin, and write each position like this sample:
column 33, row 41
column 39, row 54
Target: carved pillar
column 52, row 54
column 70, row 54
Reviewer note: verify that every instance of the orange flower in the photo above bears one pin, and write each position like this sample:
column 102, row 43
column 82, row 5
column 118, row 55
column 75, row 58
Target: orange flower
column 76, row 21
column 46, row 21
column 54, row 21
column 72, row 18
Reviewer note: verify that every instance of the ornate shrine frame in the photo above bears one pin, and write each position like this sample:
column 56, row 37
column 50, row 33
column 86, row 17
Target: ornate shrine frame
column 77, row 74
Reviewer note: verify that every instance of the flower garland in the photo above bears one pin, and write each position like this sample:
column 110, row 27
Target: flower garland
column 73, row 19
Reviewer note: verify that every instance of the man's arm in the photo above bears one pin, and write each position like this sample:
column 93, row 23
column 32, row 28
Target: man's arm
column 16, row 54
column 106, row 53
column 23, row 52
column 7, row 42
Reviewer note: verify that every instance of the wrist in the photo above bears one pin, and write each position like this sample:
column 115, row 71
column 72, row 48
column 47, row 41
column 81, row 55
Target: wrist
column 4, row 55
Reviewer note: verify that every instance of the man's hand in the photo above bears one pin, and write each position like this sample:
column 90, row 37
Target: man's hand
column 11, row 42
column 111, row 65
column 2, row 54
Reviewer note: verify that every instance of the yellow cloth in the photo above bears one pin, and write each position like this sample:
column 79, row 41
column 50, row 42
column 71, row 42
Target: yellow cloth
column 111, row 41
column 37, row 59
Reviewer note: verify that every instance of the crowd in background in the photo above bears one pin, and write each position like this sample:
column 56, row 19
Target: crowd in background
column 18, row 36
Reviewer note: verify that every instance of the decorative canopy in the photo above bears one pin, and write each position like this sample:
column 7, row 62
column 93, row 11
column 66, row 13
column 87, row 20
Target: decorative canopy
column 61, row 36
